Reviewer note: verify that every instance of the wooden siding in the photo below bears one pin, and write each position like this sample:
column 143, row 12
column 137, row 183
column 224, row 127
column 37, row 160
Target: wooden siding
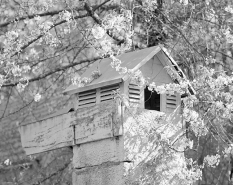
column 154, row 71
column 84, row 125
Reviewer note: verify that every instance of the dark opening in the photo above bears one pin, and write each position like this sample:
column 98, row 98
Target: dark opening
column 152, row 100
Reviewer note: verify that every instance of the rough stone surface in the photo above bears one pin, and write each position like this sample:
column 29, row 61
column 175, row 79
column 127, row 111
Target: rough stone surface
column 106, row 174
column 98, row 152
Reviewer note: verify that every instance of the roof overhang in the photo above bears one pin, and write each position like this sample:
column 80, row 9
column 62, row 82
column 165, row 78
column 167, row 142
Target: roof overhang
column 179, row 71
column 90, row 87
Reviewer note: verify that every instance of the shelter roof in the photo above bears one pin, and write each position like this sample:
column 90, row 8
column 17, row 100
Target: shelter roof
column 131, row 60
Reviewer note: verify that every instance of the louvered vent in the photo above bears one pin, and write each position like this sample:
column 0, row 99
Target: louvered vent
column 87, row 98
column 171, row 102
column 134, row 93
column 106, row 93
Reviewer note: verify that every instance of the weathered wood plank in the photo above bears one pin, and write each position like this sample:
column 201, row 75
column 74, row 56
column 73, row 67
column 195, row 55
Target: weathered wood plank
column 104, row 98
column 84, row 125
column 97, row 122
column 90, row 96
column 47, row 135
column 83, row 102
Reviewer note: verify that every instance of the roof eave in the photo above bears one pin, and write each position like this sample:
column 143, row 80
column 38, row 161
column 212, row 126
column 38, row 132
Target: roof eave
column 92, row 86
column 190, row 89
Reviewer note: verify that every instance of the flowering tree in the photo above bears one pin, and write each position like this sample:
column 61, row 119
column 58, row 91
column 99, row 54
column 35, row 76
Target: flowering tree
column 46, row 44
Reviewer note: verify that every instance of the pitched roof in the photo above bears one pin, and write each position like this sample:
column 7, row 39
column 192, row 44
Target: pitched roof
column 132, row 60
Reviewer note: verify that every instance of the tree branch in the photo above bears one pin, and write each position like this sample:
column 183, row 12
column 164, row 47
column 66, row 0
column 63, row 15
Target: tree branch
column 53, row 174
column 37, row 38
column 31, row 17
column 51, row 13
column 53, row 71
column 91, row 12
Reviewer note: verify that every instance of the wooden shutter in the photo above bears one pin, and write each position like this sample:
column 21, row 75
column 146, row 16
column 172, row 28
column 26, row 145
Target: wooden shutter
column 87, row 98
column 134, row 93
column 107, row 93
column 172, row 102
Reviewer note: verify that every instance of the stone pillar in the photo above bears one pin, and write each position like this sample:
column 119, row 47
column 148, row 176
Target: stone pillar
column 99, row 162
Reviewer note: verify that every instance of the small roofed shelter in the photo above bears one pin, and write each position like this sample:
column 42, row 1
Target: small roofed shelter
column 155, row 65
column 96, row 123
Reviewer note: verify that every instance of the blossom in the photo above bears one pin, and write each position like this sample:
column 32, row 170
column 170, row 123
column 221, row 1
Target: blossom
column 46, row 26
column 1, row 80
column 85, row 80
column 16, row 71
column 23, row 82
column 122, row 70
column 98, row 32
column 219, row 105
column 229, row 9
column 228, row 151
column 37, row 97
column 66, row 30
column 65, row 15
column 95, row 74
column 137, row 77
column 184, row 2
column 81, row 82
column 7, row 162
column 25, row 68
column 75, row 80
column 115, row 63
column 33, row 52
column 106, row 46
column 12, row 35
column 207, row 2
column 212, row 160
column 37, row 18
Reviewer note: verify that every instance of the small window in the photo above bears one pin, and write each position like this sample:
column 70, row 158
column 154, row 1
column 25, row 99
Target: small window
column 152, row 100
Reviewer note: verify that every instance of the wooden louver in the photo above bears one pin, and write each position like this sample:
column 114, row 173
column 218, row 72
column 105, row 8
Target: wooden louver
column 134, row 93
column 107, row 93
column 171, row 103
column 87, row 98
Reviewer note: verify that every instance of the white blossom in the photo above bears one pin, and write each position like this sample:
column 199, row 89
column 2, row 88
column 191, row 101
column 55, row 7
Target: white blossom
column 37, row 97
column 16, row 71
column 229, row 9
column 12, row 35
column 1, row 80
column 98, row 32
column 7, row 162
column 23, row 82
column 65, row 15
column 212, row 160
column 37, row 18
column 122, row 70
column 184, row 2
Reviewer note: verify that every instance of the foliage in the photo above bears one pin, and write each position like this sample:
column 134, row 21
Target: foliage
column 45, row 45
